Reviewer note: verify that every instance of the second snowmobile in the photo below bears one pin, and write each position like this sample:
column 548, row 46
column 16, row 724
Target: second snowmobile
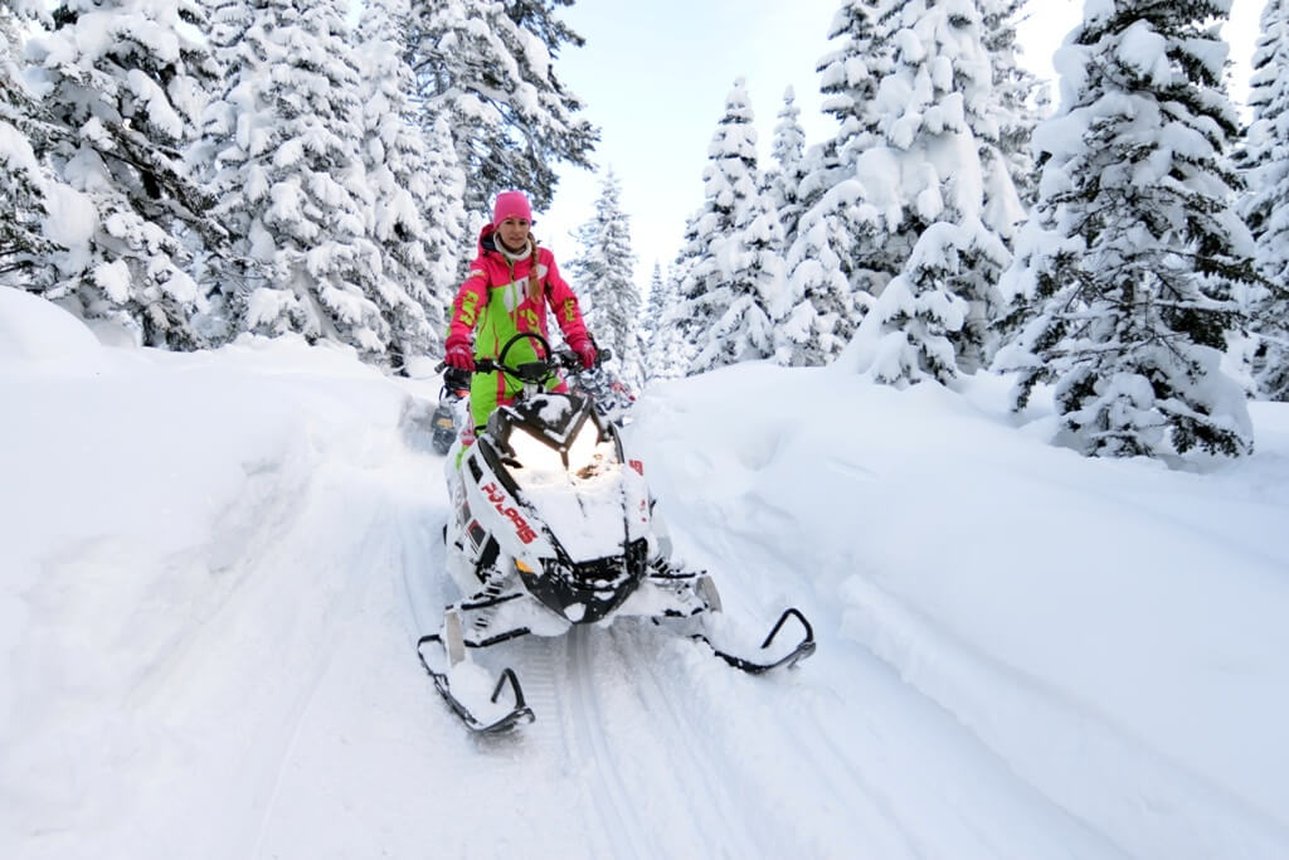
column 450, row 414
column 552, row 525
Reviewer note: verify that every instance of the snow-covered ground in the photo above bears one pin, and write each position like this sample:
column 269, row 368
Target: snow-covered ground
column 213, row 568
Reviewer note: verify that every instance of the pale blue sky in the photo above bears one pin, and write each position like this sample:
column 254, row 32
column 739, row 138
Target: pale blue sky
column 654, row 77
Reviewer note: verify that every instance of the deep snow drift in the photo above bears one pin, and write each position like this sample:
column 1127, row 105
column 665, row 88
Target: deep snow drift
column 213, row 567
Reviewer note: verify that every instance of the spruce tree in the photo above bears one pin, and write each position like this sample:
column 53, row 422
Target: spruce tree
column 837, row 258
column 651, row 319
column 24, row 179
column 680, row 322
column 727, row 301
column 849, row 76
column 669, row 351
column 941, row 193
column 754, row 279
column 1264, row 162
column 821, row 309
column 1013, row 112
column 120, row 110
column 605, row 273
column 1126, row 274
column 415, row 217
column 729, row 181
column 489, row 69
column 284, row 142
column 782, row 178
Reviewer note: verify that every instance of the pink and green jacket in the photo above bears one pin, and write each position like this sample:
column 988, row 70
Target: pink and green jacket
column 501, row 297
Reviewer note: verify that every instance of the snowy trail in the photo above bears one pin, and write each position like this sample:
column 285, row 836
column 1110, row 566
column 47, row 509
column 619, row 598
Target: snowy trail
column 659, row 746
column 889, row 755
column 211, row 654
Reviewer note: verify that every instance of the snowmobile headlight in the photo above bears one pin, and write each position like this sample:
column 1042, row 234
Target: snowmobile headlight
column 587, row 454
column 533, row 453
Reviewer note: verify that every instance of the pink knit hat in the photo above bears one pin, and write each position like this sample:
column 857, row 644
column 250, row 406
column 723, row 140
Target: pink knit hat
column 511, row 204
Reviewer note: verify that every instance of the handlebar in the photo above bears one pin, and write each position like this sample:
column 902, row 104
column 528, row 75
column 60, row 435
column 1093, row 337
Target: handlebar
column 534, row 371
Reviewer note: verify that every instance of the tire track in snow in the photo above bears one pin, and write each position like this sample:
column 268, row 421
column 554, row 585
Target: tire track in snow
column 846, row 779
column 784, row 818
column 888, row 796
column 423, row 601
column 822, row 755
column 608, row 793
column 713, row 778
column 378, row 547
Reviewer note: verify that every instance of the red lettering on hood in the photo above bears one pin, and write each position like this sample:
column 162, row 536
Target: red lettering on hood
column 523, row 530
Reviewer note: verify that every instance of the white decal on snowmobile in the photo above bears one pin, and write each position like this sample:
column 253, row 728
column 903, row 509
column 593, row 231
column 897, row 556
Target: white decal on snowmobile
column 498, row 498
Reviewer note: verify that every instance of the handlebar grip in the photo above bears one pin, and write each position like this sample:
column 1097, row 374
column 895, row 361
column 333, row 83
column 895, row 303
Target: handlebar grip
column 483, row 365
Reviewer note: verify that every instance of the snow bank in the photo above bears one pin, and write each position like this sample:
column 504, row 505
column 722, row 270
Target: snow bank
column 1111, row 630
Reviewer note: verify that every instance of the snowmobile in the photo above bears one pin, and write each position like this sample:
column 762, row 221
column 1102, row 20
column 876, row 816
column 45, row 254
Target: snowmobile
column 611, row 396
column 448, row 415
column 551, row 526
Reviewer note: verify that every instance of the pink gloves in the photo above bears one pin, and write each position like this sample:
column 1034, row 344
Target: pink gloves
column 459, row 356
column 585, row 351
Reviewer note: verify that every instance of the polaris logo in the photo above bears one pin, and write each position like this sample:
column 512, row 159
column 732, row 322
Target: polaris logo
column 498, row 499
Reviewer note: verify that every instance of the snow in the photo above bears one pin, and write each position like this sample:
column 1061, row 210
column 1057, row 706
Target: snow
column 213, row 568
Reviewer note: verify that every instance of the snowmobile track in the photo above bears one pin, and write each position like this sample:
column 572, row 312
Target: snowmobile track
column 608, row 793
column 681, row 731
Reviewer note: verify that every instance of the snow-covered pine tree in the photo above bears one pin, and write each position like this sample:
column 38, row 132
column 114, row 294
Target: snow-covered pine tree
column 938, row 188
column 849, row 76
column 835, row 259
column 285, row 138
column 604, row 271
column 448, row 220
column 679, row 322
column 1015, row 95
column 728, row 302
column 729, row 180
column 1126, row 272
column 416, row 219
column 489, row 69
column 821, row 307
column 669, row 353
column 650, row 319
column 122, row 84
column 24, row 178
column 1264, row 162
column 782, row 178
column 755, row 281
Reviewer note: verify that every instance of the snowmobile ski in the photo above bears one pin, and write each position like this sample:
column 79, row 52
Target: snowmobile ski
column 803, row 649
column 518, row 712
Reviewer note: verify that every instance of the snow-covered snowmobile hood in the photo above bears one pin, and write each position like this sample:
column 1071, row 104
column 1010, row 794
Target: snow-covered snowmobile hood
column 571, row 473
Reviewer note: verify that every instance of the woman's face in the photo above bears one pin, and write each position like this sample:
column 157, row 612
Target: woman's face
column 514, row 232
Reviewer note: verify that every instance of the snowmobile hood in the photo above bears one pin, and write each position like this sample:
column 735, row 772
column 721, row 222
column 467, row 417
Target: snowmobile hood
column 570, row 471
